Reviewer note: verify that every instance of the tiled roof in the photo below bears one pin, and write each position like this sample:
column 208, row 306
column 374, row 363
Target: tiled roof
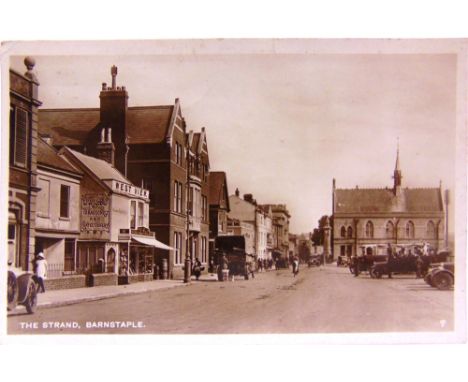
column 384, row 200
column 217, row 179
column 48, row 156
column 71, row 126
column 148, row 124
column 68, row 127
column 102, row 169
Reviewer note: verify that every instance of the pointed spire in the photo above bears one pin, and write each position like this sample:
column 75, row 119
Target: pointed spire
column 397, row 164
column 397, row 172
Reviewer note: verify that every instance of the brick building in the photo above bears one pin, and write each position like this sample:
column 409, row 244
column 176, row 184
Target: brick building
column 218, row 200
column 152, row 147
column 397, row 215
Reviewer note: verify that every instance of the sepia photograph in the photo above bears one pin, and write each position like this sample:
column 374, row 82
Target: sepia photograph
column 235, row 187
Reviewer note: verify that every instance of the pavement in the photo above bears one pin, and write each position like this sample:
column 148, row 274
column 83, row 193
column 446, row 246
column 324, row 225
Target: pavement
column 62, row 297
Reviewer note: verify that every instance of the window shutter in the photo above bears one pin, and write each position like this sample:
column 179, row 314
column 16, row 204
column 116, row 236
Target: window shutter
column 21, row 141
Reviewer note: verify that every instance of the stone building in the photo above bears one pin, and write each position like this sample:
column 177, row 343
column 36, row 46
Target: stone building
column 280, row 231
column 58, row 216
column 247, row 210
column 152, row 147
column 398, row 215
column 23, row 188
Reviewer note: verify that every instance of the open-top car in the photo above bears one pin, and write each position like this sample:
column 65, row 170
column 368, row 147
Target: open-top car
column 21, row 290
column 407, row 263
column 441, row 276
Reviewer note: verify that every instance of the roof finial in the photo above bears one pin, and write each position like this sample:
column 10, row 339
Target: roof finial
column 114, row 74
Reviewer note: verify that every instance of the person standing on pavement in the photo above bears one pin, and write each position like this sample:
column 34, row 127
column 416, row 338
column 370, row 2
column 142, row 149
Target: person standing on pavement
column 41, row 270
column 295, row 265
column 197, row 268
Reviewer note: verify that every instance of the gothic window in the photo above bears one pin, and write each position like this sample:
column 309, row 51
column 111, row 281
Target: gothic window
column 350, row 232
column 343, row 232
column 369, row 229
column 431, row 231
column 410, row 230
column 389, row 230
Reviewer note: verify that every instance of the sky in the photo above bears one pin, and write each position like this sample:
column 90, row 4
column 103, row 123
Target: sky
column 282, row 126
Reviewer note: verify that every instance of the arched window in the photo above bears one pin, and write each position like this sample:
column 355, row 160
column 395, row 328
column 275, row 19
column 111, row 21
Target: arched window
column 350, row 232
column 369, row 229
column 431, row 230
column 410, row 230
column 343, row 232
column 389, row 230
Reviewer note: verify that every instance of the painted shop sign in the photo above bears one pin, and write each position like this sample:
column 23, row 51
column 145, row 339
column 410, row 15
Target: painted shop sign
column 95, row 210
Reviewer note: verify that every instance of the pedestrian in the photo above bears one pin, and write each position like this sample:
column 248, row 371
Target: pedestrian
column 419, row 267
column 295, row 265
column 41, row 270
column 390, row 260
column 197, row 268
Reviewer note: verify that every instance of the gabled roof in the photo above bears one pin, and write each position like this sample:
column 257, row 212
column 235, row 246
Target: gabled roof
column 384, row 200
column 148, row 124
column 100, row 168
column 48, row 156
column 68, row 127
column 71, row 127
column 217, row 181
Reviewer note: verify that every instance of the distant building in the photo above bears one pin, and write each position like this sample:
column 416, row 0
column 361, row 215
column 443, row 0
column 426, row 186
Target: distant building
column 247, row 210
column 218, row 200
column 367, row 216
column 280, row 230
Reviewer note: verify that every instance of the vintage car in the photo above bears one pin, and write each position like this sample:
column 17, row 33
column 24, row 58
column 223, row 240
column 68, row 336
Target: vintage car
column 314, row 260
column 441, row 276
column 21, row 290
column 405, row 264
column 230, row 252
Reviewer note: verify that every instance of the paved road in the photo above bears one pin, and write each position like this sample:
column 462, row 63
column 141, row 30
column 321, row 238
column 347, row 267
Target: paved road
column 318, row 300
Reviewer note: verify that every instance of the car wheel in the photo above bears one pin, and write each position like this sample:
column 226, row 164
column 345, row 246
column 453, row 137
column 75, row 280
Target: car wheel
column 443, row 281
column 31, row 298
column 377, row 274
column 12, row 291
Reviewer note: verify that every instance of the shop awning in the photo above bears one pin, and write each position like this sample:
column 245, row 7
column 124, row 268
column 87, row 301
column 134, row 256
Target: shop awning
column 151, row 241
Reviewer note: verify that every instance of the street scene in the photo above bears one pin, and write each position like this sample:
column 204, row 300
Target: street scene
column 237, row 193
column 272, row 302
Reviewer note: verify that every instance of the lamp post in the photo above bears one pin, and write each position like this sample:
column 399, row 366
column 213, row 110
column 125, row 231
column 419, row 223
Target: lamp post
column 188, row 261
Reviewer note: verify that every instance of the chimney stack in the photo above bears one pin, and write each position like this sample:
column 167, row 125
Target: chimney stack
column 105, row 148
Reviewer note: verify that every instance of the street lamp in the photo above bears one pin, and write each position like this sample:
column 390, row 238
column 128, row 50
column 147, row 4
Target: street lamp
column 188, row 261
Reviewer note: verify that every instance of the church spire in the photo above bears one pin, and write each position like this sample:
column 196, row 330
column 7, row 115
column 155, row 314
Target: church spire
column 397, row 172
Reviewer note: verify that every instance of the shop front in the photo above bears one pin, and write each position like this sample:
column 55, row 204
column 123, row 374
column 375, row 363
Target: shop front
column 137, row 255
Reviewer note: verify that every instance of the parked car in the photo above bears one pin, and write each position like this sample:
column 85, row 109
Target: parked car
column 442, row 276
column 314, row 260
column 232, row 249
column 21, row 290
column 407, row 264
column 360, row 264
